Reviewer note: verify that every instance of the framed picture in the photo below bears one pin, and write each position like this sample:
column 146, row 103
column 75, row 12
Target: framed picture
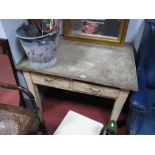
column 101, row 31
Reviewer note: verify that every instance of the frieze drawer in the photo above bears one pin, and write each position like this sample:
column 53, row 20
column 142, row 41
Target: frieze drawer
column 52, row 81
column 95, row 90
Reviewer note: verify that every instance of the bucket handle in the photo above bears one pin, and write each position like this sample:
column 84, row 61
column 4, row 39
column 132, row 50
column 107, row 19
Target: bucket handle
column 49, row 34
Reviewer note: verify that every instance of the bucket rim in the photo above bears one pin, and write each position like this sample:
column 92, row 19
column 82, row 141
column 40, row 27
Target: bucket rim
column 33, row 38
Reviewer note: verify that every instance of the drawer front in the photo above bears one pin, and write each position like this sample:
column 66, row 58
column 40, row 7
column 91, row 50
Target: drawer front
column 95, row 90
column 52, row 81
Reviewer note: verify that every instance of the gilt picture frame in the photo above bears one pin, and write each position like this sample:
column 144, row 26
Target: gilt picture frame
column 100, row 31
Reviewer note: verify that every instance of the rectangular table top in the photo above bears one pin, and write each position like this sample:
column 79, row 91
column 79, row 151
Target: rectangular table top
column 100, row 64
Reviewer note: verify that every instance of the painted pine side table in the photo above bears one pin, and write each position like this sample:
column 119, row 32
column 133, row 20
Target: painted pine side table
column 100, row 70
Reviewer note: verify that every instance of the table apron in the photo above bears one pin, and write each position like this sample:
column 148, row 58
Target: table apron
column 73, row 85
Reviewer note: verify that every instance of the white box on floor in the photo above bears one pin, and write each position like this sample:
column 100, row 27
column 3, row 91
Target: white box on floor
column 77, row 124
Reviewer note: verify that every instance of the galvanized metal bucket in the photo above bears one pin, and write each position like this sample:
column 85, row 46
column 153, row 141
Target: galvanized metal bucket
column 40, row 49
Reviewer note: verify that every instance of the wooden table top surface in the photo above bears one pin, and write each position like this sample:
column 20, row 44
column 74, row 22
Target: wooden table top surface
column 100, row 64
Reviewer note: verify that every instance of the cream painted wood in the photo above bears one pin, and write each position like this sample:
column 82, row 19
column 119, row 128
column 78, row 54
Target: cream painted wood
column 104, row 71
column 118, row 105
column 33, row 88
column 63, row 83
column 52, row 81
column 33, row 79
column 95, row 90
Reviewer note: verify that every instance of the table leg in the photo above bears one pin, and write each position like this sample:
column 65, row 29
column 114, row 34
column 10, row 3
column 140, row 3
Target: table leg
column 33, row 88
column 118, row 105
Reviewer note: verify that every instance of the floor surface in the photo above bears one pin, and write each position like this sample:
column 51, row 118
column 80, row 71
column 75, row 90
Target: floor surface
column 56, row 104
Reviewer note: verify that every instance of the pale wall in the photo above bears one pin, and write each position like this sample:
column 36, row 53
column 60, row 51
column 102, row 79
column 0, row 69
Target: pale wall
column 2, row 32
